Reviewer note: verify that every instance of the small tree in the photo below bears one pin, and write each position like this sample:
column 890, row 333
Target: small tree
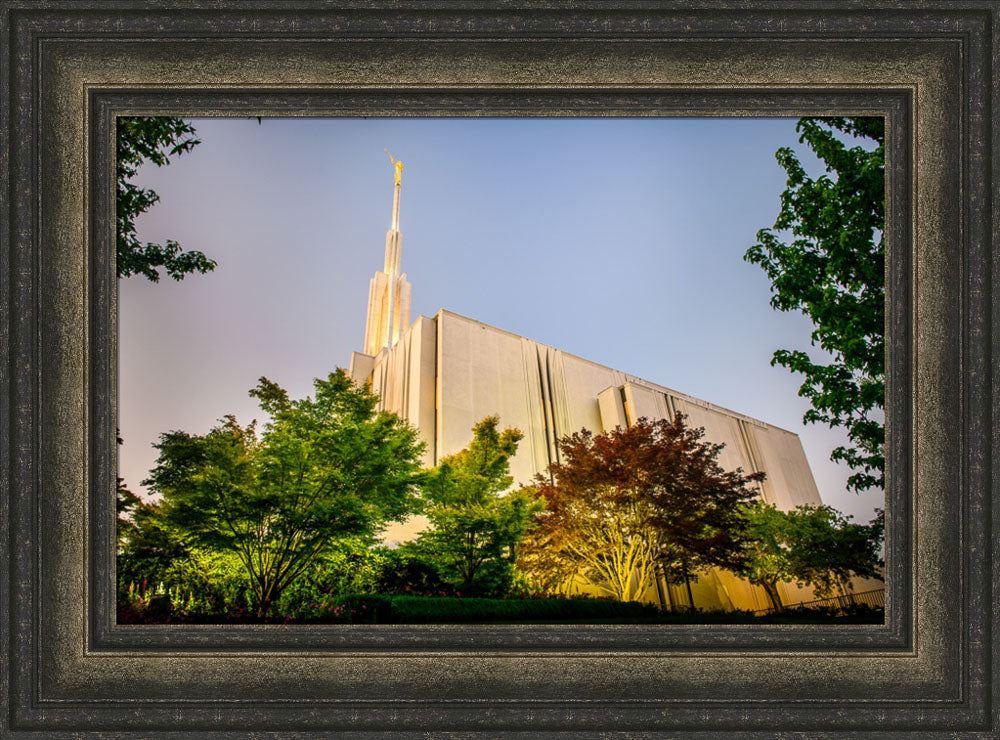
column 475, row 527
column 323, row 469
column 811, row 545
column 126, row 504
column 147, row 545
column 768, row 559
column 828, row 549
column 623, row 503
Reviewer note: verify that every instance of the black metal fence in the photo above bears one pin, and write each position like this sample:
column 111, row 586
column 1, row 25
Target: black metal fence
column 874, row 598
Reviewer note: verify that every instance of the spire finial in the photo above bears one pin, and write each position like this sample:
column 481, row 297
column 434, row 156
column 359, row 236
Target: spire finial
column 399, row 167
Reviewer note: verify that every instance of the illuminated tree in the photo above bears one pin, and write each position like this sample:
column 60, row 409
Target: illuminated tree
column 626, row 503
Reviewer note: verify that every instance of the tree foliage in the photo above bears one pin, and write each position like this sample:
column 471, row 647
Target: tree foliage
column 475, row 527
column 626, row 503
column 812, row 545
column 832, row 269
column 127, row 505
column 148, row 545
column 140, row 140
column 322, row 470
column 768, row 559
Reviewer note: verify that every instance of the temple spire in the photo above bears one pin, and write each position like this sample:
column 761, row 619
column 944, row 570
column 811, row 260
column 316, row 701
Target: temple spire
column 389, row 291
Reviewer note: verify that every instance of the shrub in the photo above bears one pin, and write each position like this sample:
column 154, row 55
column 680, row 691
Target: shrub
column 451, row 610
column 407, row 571
column 344, row 609
column 352, row 567
column 202, row 581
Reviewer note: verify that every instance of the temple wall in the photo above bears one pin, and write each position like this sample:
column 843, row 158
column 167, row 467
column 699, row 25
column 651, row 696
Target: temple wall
column 449, row 372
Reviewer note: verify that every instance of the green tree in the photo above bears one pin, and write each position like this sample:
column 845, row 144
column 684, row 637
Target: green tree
column 626, row 503
column 811, row 545
column 829, row 548
column 832, row 269
column 126, row 504
column 147, row 547
column 140, row 140
column 475, row 527
column 154, row 557
column 768, row 560
column 324, row 469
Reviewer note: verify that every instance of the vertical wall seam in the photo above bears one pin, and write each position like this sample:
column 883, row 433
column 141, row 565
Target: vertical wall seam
column 550, row 359
column 542, row 378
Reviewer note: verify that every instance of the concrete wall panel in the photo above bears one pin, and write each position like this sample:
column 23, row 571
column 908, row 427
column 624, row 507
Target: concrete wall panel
column 792, row 482
column 448, row 373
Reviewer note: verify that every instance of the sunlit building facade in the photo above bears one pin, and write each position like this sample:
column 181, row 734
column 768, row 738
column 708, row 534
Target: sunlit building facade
column 447, row 372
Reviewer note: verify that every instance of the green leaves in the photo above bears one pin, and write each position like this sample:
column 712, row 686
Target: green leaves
column 812, row 545
column 323, row 469
column 475, row 529
column 150, row 139
column 832, row 269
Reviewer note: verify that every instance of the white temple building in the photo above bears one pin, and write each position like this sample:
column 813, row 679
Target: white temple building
column 447, row 372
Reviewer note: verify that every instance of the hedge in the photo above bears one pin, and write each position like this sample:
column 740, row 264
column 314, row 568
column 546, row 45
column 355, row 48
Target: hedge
column 442, row 610
column 392, row 609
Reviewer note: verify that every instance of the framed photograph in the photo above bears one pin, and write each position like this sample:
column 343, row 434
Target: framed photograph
column 224, row 519
column 73, row 75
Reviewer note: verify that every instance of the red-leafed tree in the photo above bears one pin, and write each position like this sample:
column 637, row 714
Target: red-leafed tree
column 627, row 503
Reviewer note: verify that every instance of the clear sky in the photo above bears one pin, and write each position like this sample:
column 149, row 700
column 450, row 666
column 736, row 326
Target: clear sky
column 617, row 240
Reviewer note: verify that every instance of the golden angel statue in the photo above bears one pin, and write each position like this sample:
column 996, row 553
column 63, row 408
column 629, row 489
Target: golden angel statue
column 398, row 165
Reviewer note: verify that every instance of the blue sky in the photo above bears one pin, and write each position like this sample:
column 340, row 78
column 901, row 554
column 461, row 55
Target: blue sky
column 618, row 240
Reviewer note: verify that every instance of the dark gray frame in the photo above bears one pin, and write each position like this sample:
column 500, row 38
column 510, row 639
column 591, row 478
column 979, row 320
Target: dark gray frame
column 68, row 68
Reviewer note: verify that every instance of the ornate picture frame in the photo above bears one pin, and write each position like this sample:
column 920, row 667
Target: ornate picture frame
column 69, row 69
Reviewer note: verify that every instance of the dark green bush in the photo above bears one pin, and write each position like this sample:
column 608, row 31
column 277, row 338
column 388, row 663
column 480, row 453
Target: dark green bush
column 387, row 609
column 407, row 571
column 342, row 609
column 350, row 567
column 416, row 610
column 197, row 581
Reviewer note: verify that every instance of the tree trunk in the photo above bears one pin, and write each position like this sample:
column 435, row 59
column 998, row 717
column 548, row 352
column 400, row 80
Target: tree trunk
column 687, row 582
column 771, row 589
column 663, row 589
column 263, row 607
column 266, row 598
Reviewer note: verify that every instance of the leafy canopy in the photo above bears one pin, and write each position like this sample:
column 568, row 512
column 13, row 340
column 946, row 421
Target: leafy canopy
column 475, row 527
column 139, row 140
column 811, row 545
column 623, row 503
column 324, row 469
column 831, row 267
